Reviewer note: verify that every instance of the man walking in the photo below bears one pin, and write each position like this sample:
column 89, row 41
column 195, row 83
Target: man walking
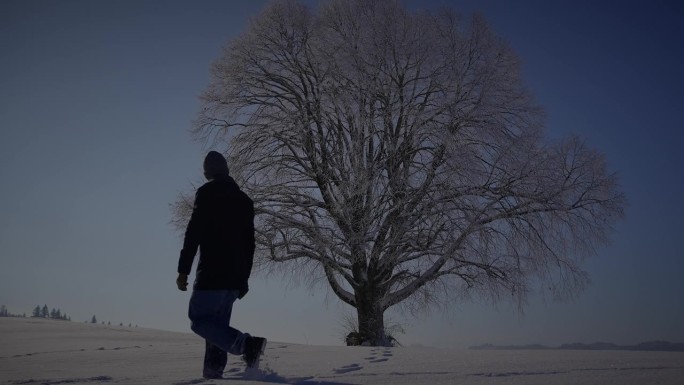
column 222, row 227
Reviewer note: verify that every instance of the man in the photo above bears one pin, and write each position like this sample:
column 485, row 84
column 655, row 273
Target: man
column 222, row 227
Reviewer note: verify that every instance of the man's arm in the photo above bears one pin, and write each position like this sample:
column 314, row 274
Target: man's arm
column 249, row 243
column 190, row 243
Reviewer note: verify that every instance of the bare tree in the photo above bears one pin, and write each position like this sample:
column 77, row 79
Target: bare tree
column 397, row 156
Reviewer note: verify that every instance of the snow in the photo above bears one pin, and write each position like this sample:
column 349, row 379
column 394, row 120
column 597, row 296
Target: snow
column 38, row 351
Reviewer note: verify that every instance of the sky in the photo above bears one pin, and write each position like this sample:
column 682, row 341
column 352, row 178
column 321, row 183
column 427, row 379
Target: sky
column 96, row 102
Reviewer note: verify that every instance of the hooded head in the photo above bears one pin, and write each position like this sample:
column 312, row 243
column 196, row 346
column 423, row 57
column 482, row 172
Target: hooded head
column 215, row 165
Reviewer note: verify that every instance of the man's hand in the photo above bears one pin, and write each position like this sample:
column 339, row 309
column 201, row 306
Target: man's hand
column 243, row 292
column 182, row 282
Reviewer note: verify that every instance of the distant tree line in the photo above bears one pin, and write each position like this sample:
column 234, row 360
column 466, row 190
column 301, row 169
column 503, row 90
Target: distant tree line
column 6, row 313
column 44, row 312
column 93, row 320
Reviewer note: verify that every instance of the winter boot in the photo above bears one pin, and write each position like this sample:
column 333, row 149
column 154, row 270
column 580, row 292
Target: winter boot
column 254, row 348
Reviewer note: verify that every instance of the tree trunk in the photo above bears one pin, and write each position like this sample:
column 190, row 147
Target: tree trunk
column 370, row 317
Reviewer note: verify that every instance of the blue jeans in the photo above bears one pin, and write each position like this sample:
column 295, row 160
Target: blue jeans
column 210, row 312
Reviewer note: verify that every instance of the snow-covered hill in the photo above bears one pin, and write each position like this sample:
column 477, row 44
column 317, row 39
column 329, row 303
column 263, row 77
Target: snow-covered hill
column 36, row 351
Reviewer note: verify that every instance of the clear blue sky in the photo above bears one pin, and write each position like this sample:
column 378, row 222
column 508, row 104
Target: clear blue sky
column 96, row 98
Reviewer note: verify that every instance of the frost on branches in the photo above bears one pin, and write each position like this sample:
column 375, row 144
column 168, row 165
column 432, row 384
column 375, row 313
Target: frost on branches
column 397, row 156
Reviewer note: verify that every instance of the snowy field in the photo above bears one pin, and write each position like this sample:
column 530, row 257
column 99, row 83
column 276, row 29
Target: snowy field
column 34, row 351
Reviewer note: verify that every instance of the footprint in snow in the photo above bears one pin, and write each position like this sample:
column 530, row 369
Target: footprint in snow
column 379, row 360
column 379, row 355
column 348, row 368
column 98, row 379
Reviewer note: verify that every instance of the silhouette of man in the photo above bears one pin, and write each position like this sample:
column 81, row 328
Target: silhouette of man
column 222, row 227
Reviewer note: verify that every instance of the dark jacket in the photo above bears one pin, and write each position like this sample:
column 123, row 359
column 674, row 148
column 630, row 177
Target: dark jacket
column 222, row 226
